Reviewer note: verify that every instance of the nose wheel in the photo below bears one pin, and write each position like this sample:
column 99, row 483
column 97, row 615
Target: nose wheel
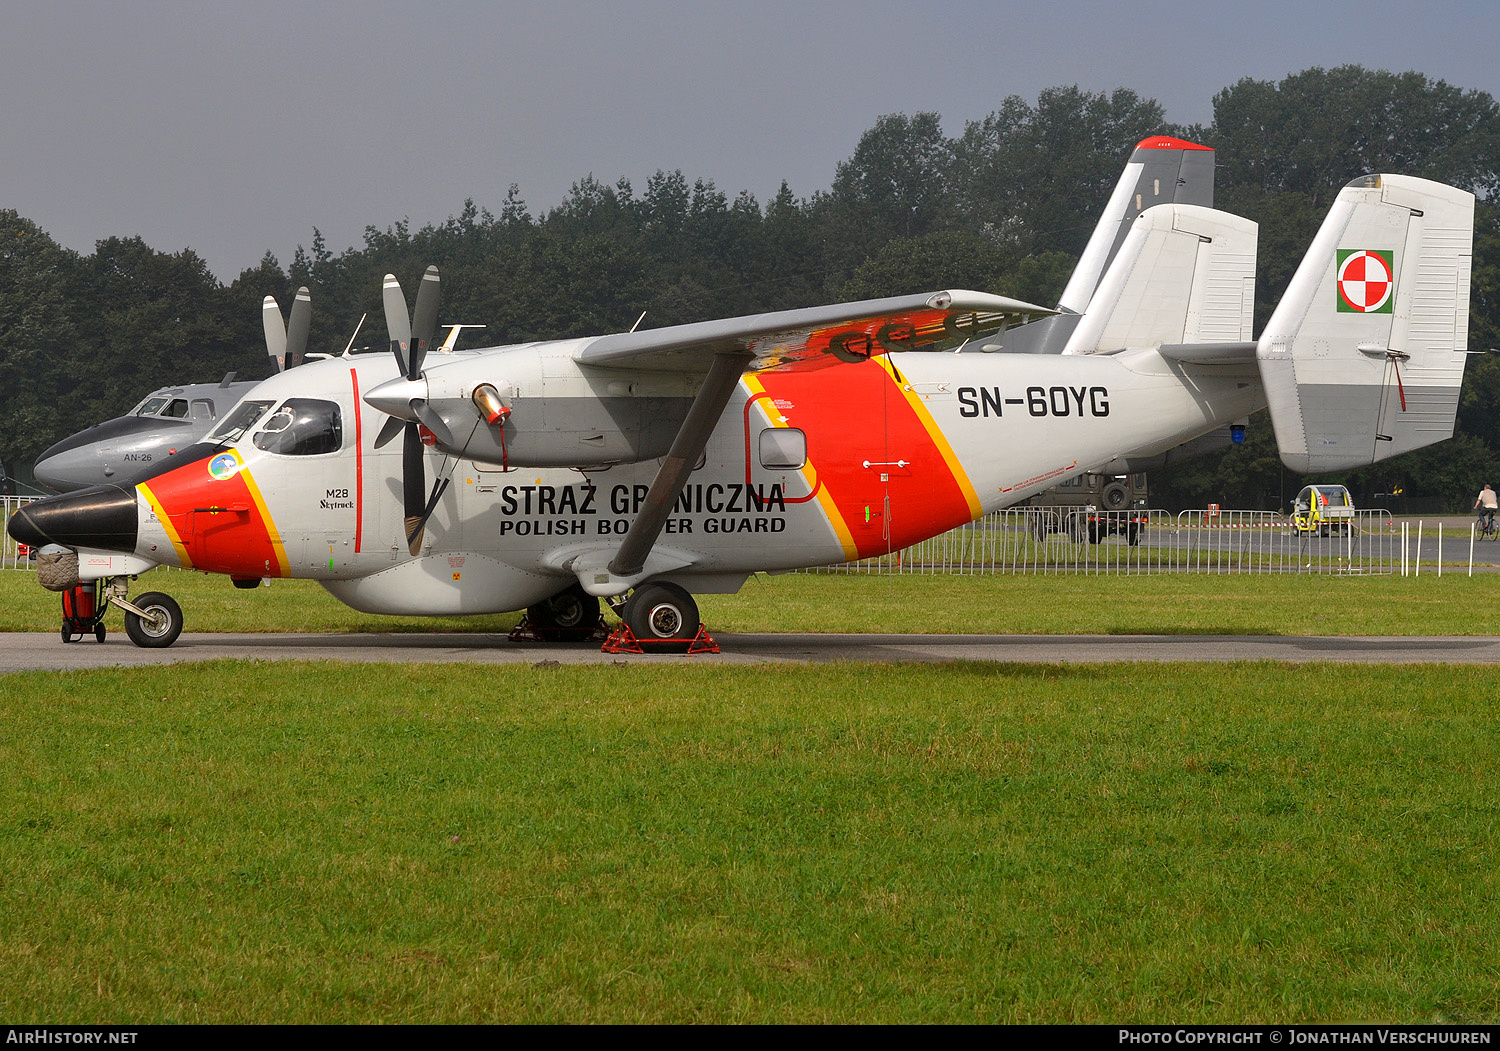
column 154, row 620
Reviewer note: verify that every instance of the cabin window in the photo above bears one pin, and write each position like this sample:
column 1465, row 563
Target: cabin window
column 203, row 409
column 783, row 448
column 239, row 421
column 302, row 427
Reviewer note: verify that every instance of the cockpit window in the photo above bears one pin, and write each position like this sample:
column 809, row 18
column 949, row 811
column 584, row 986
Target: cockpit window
column 238, row 422
column 177, row 410
column 302, row 427
column 151, row 407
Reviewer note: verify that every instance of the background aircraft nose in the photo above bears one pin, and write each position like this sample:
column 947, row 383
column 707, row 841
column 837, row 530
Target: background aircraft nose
column 98, row 455
column 70, row 469
column 103, row 517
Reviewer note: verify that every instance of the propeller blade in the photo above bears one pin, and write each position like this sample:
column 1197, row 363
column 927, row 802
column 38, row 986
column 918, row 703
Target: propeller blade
column 433, row 422
column 397, row 321
column 389, row 430
column 414, row 530
column 297, row 327
column 424, row 320
column 270, row 316
column 413, row 481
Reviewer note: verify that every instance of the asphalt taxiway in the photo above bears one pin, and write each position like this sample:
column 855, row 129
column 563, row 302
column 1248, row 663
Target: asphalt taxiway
column 23, row 651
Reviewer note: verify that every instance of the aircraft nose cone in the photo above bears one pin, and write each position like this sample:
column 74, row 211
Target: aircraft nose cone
column 102, row 517
column 68, row 470
column 394, row 397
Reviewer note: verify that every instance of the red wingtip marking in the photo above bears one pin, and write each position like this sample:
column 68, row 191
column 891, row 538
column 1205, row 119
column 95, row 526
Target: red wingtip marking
column 1166, row 142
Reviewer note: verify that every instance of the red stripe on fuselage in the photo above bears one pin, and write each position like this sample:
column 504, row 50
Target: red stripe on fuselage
column 218, row 519
column 359, row 466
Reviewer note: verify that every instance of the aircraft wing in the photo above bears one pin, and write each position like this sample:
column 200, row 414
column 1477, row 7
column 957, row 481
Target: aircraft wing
column 817, row 335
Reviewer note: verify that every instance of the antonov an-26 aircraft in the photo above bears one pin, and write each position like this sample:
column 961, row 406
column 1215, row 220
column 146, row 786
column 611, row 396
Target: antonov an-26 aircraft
column 648, row 466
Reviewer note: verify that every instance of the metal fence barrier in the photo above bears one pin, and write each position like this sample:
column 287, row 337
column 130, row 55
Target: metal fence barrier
column 1077, row 540
column 11, row 557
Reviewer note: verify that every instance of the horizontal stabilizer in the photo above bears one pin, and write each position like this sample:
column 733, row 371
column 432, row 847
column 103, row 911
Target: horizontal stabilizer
column 1208, row 353
column 1363, row 357
column 1184, row 275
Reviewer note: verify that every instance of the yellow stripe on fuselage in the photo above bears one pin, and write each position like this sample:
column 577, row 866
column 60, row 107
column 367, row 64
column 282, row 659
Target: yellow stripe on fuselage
column 810, row 476
column 939, row 439
column 166, row 523
column 272, row 534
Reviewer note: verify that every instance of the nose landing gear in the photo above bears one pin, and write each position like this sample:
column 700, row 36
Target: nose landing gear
column 154, row 620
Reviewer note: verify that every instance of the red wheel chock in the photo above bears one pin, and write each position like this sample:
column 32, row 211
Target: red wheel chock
column 623, row 640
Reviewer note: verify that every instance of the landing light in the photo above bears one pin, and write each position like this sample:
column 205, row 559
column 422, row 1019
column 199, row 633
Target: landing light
column 487, row 400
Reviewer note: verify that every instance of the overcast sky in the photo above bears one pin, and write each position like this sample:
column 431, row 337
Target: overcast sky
column 236, row 128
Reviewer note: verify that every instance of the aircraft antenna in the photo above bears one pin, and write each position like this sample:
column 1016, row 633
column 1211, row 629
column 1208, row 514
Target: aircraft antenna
column 453, row 331
column 350, row 345
column 638, row 321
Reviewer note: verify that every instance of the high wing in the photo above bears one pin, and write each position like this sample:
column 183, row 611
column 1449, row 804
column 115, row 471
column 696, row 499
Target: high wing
column 817, row 335
column 787, row 339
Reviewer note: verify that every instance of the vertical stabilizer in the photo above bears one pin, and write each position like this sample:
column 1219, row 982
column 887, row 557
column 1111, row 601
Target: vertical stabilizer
column 1183, row 275
column 1161, row 170
column 1363, row 358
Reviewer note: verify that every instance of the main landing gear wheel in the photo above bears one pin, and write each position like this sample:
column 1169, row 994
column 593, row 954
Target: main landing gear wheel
column 162, row 624
column 570, row 616
column 663, row 617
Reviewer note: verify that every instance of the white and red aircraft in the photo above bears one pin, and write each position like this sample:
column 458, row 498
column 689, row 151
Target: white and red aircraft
column 648, row 466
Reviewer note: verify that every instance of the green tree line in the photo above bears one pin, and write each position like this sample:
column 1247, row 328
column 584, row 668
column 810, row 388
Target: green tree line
column 1004, row 206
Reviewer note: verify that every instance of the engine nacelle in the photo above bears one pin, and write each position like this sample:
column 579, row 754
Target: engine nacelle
column 552, row 412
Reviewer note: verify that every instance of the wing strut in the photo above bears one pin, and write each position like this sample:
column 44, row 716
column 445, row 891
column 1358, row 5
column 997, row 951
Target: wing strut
column 723, row 376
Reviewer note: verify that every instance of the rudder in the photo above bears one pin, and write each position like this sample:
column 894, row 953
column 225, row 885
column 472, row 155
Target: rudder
column 1363, row 357
column 1183, row 275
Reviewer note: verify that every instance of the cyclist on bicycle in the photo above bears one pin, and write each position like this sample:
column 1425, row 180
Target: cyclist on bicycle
column 1485, row 506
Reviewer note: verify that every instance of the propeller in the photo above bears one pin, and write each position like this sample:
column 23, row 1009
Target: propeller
column 287, row 343
column 411, row 336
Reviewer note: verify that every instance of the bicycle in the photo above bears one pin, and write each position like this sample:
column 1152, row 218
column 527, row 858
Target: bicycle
column 1487, row 528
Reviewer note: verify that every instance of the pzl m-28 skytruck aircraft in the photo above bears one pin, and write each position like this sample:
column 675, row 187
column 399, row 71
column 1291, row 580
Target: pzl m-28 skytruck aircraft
column 646, row 467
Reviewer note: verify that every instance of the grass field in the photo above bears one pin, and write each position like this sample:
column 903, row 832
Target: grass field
column 239, row 842
column 1063, row 604
column 295, row 842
